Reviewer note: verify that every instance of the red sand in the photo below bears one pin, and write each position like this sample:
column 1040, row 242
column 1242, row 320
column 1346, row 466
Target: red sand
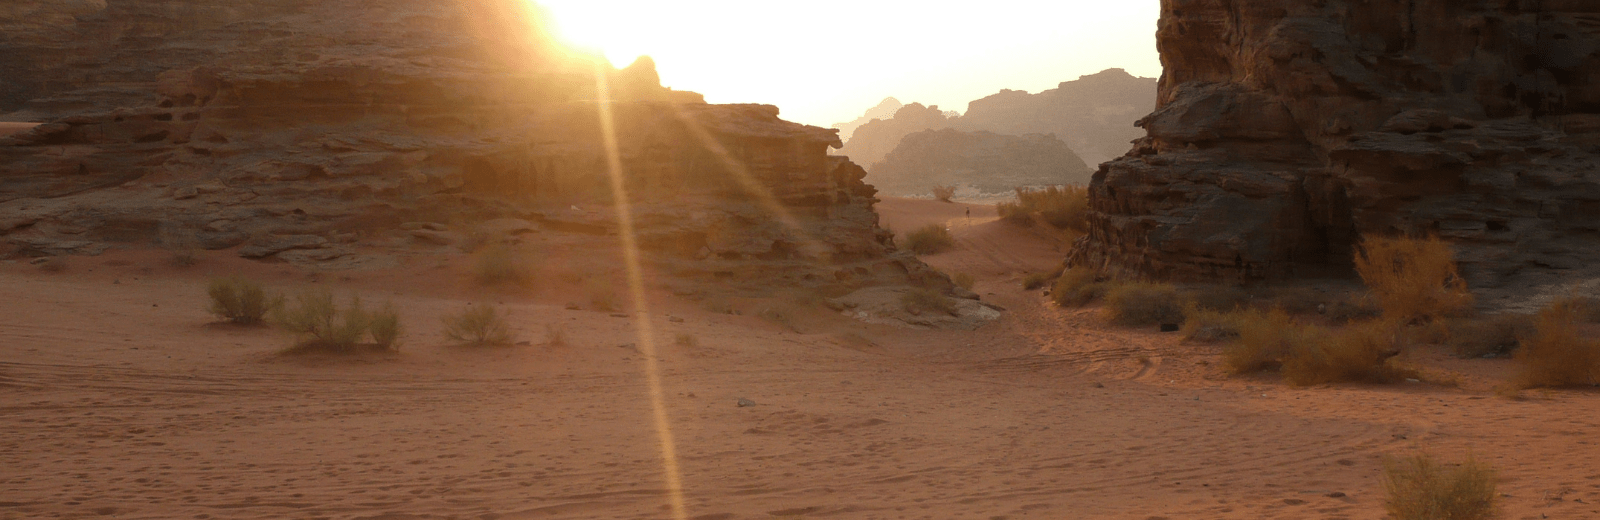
column 120, row 398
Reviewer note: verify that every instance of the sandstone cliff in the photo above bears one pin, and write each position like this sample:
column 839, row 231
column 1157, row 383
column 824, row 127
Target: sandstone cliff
column 884, row 110
column 1285, row 130
column 873, row 141
column 986, row 161
column 288, row 124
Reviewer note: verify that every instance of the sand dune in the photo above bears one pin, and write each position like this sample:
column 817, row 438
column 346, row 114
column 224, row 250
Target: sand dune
column 121, row 399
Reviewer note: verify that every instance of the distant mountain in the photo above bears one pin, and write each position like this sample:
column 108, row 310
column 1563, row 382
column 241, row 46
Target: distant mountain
column 884, row 110
column 987, row 161
column 1094, row 115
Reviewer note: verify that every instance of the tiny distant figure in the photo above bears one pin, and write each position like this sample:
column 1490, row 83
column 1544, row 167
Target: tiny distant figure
column 969, row 212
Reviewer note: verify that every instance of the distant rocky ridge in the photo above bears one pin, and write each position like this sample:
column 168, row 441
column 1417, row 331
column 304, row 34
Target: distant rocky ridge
column 884, row 110
column 1094, row 115
column 985, row 161
column 299, row 125
column 1286, row 130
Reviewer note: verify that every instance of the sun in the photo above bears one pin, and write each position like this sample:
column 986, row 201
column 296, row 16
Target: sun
column 603, row 28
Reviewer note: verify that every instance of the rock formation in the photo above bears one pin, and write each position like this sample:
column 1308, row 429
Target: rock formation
column 294, row 127
column 1094, row 115
column 988, row 162
column 884, row 110
column 1286, row 130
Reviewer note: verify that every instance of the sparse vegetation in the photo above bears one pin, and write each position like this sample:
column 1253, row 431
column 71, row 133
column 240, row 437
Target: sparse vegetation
column 1064, row 207
column 385, row 327
column 1265, row 338
column 499, row 265
column 480, row 324
column 320, row 325
column 964, row 281
column 240, row 301
column 1413, row 278
column 1205, row 325
column 684, row 339
column 1488, row 336
column 555, row 335
column 944, row 193
column 1362, row 352
column 182, row 243
column 1557, row 353
column 929, row 239
column 920, row 300
column 1037, row 280
column 1077, row 287
column 1420, row 488
column 1139, row 304
column 602, row 296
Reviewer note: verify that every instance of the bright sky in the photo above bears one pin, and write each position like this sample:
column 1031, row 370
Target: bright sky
column 827, row 61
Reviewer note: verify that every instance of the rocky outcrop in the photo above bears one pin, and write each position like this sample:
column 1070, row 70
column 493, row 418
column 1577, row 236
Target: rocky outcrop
column 286, row 125
column 884, row 110
column 1094, row 115
column 984, row 161
column 1286, row 130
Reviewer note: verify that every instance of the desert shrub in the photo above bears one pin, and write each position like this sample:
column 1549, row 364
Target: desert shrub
column 555, row 335
column 1488, row 336
column 943, row 193
column 1353, row 308
column 182, row 243
column 1077, row 287
column 1204, row 325
column 240, row 301
column 497, row 265
column 684, row 339
column 1142, row 304
column 1014, row 213
column 1265, row 338
column 1557, row 353
column 964, row 281
column 929, row 239
column 1065, row 207
column 920, row 300
column 1298, row 301
column 1361, row 352
column 385, row 327
column 1420, row 488
column 319, row 324
column 1037, row 280
column 1412, row 278
column 480, row 324
column 1220, row 298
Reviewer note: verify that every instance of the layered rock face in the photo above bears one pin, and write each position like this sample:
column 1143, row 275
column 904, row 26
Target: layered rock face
column 1286, row 130
column 986, row 161
column 298, row 121
column 873, row 141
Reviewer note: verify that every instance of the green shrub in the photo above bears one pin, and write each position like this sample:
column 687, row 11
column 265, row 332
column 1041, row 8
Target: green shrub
column 1558, row 354
column 1412, row 278
column 929, row 239
column 319, row 324
column 240, row 301
column 1141, row 304
column 1077, row 287
column 479, row 325
column 920, row 300
column 1420, row 488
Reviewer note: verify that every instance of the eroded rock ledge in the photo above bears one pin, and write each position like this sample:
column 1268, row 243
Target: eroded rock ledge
column 1285, row 130
column 255, row 121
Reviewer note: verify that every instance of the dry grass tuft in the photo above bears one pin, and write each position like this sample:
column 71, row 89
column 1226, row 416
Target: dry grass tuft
column 320, row 325
column 1557, row 353
column 1037, row 280
column 929, row 239
column 964, row 281
column 1362, row 352
column 1064, row 207
column 385, row 327
column 1141, row 304
column 481, row 324
column 555, row 335
column 920, row 300
column 240, row 301
column 1413, row 278
column 684, row 339
column 1265, row 338
column 1420, row 488
column 944, row 193
column 1488, row 336
column 1203, row 325
column 499, row 265
column 602, row 295
column 1077, row 287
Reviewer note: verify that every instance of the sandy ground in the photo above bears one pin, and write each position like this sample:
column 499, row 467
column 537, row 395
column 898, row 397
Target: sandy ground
column 12, row 128
column 121, row 399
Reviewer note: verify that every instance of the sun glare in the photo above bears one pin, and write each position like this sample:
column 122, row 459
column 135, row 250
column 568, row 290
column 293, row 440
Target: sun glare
column 600, row 28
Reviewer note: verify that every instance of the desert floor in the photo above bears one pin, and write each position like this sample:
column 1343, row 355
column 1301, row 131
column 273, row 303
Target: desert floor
column 122, row 399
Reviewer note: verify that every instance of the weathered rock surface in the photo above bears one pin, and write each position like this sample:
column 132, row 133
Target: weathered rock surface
column 988, row 162
column 252, row 120
column 1286, row 130
column 884, row 110
column 1094, row 115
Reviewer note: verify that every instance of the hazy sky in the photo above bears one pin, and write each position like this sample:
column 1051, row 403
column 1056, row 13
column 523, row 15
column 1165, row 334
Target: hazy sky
column 824, row 62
